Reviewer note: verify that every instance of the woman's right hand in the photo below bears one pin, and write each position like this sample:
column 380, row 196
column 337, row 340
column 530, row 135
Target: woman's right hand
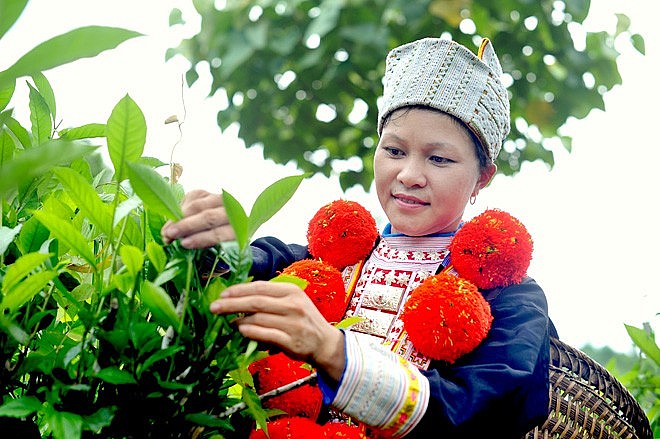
column 204, row 224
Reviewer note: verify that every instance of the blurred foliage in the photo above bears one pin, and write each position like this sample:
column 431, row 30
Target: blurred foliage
column 280, row 61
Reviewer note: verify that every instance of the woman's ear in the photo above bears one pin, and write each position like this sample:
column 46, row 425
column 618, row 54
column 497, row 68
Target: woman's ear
column 486, row 175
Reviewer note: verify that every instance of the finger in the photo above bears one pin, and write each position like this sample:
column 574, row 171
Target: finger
column 265, row 288
column 209, row 238
column 199, row 200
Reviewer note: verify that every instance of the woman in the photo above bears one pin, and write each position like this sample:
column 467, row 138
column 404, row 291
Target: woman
column 442, row 122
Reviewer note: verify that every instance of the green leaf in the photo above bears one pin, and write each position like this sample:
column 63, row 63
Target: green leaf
column 6, row 93
column 21, row 268
column 26, row 290
column 20, row 407
column 36, row 161
column 254, row 407
column 348, row 322
column 155, row 192
column 11, row 10
column 46, row 91
column 86, row 198
column 66, row 233
column 237, row 218
column 161, row 354
column 160, row 304
column 299, row 282
column 64, row 425
column 326, row 19
column 176, row 17
column 7, row 147
column 644, row 342
column 87, row 131
column 84, row 42
column 19, row 131
column 114, row 375
column 132, row 258
column 40, row 117
column 271, row 200
column 126, row 132
column 156, row 255
column 32, row 236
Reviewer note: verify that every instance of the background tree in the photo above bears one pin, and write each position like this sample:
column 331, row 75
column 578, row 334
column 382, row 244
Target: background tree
column 302, row 77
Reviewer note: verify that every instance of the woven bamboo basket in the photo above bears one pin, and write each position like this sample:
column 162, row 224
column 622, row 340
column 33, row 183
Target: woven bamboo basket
column 587, row 402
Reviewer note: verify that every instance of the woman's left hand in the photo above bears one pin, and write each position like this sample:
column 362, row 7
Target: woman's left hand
column 281, row 314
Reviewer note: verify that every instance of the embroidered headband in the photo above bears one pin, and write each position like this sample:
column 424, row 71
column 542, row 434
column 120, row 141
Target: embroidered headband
column 447, row 76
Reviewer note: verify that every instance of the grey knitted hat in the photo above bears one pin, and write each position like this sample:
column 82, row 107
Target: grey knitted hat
column 447, row 76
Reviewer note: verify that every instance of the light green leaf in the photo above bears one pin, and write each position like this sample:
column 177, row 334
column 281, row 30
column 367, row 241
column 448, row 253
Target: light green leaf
column 113, row 375
column 86, row 198
column 40, row 117
column 160, row 304
column 155, row 192
column 132, row 258
column 644, row 342
column 348, row 322
column 299, row 282
column 6, row 93
column 87, row 131
column 66, row 233
column 271, row 200
column 84, row 42
column 237, row 218
column 21, row 268
column 22, row 135
column 26, row 290
column 7, row 235
column 46, row 91
column 254, row 407
column 20, row 407
column 32, row 235
column 156, row 255
column 64, row 425
column 7, row 147
column 11, row 10
column 36, row 161
column 126, row 132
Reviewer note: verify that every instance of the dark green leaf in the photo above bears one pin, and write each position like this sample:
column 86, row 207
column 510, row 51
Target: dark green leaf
column 20, row 407
column 155, row 192
column 32, row 236
column 271, row 200
column 84, row 42
column 638, row 43
column 114, row 375
column 126, row 132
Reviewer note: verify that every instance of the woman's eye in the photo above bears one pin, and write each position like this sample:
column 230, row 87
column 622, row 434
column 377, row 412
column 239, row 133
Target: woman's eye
column 394, row 152
column 439, row 160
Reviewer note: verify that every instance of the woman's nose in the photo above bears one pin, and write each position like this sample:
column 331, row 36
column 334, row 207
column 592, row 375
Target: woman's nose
column 411, row 174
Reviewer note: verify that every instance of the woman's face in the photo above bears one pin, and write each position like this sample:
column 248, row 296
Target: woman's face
column 425, row 169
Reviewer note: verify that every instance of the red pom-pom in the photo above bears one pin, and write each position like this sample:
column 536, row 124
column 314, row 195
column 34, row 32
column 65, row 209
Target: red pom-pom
column 492, row 250
column 446, row 317
column 290, row 428
column 325, row 286
column 337, row 430
column 341, row 233
column 277, row 370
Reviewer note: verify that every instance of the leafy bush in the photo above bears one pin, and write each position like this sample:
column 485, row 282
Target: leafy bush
column 104, row 330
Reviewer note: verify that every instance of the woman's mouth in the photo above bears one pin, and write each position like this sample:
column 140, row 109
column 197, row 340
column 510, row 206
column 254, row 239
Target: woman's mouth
column 408, row 200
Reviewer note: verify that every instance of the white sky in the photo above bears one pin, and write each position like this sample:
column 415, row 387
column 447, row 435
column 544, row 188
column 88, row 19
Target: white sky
column 591, row 216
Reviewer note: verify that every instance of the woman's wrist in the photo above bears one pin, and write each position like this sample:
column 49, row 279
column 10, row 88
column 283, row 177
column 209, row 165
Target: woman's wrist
column 331, row 357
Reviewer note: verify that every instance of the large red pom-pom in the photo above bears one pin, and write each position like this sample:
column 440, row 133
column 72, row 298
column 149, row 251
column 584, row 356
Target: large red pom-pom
column 491, row 250
column 325, row 286
column 290, row 428
column 277, row 370
column 446, row 317
column 341, row 233
column 337, row 430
